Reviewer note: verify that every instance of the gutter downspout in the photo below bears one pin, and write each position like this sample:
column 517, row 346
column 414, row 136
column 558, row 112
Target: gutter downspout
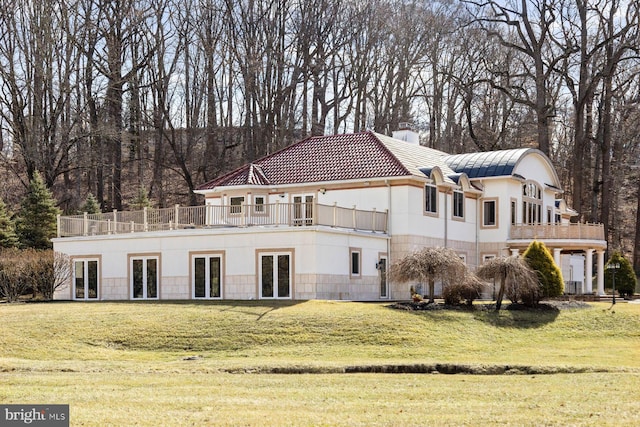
column 389, row 287
column 446, row 222
column 478, row 213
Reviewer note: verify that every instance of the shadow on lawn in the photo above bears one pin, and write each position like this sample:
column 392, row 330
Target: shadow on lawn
column 257, row 308
column 520, row 317
column 510, row 316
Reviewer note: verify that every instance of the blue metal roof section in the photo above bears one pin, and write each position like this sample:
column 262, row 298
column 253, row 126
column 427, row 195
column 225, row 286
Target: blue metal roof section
column 455, row 177
column 426, row 170
column 488, row 163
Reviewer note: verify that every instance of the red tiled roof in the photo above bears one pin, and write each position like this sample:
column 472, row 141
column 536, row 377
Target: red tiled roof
column 319, row 159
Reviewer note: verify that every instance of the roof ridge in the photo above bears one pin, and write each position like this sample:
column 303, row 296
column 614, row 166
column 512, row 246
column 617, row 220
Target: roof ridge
column 397, row 161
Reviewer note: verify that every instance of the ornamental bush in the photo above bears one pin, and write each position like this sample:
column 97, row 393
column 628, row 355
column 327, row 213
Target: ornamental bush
column 465, row 291
column 549, row 275
column 626, row 280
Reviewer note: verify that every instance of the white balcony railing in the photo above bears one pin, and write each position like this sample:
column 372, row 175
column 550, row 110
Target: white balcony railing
column 557, row 231
column 208, row 216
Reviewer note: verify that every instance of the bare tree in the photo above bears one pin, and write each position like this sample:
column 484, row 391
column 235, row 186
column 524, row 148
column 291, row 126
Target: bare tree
column 428, row 265
column 515, row 276
column 117, row 26
column 37, row 64
column 526, row 27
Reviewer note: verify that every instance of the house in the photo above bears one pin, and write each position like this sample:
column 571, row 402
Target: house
column 324, row 217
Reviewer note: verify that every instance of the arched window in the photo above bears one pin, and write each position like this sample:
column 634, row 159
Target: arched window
column 531, row 203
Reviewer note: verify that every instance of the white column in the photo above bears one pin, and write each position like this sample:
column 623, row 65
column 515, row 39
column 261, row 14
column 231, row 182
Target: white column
column 600, row 273
column 515, row 252
column 588, row 272
column 556, row 256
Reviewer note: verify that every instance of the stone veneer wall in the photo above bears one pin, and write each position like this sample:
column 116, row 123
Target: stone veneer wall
column 337, row 287
column 115, row 289
column 240, row 286
column 176, row 287
column 403, row 245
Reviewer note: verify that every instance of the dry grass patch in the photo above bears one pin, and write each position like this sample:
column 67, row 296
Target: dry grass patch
column 152, row 399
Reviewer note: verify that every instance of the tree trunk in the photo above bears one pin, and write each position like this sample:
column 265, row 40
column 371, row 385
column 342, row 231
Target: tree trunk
column 500, row 293
column 432, row 290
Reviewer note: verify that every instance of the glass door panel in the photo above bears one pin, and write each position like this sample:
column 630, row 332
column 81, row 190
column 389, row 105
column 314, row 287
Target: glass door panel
column 214, row 278
column 267, row 276
column 78, row 268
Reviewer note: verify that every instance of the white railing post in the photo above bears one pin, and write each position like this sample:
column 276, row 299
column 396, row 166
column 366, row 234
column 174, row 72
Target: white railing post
column 85, row 224
column 133, row 226
column 277, row 213
column 177, row 215
column 59, row 225
column 109, row 227
column 144, row 216
column 314, row 214
column 386, row 221
column 373, row 220
column 353, row 217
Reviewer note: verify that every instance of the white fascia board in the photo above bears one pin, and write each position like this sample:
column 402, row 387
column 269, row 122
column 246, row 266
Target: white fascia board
column 319, row 184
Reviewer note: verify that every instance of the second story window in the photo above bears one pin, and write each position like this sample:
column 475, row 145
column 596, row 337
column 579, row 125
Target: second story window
column 236, row 205
column 489, row 215
column 531, row 203
column 431, row 199
column 258, row 204
column 458, row 204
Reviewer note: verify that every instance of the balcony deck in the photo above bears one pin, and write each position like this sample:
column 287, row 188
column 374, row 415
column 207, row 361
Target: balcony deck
column 560, row 232
column 209, row 216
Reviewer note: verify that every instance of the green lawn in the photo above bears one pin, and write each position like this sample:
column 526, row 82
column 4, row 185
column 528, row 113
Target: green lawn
column 124, row 363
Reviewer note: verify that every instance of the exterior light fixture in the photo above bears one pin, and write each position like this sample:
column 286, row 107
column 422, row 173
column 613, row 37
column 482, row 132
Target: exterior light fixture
column 613, row 267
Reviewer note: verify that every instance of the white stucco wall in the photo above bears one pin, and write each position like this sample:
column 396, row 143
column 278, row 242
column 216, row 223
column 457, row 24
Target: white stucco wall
column 319, row 255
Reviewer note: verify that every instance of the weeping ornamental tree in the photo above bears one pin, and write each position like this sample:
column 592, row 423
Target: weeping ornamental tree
column 36, row 221
column 428, row 265
column 516, row 279
column 541, row 262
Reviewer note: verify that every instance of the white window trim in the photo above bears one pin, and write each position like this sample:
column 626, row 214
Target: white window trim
column 259, row 208
column 453, row 203
column 436, row 197
column 236, row 209
column 206, row 256
column 144, row 258
column 275, row 253
column 384, row 256
column 496, row 215
column 352, row 251
column 85, row 261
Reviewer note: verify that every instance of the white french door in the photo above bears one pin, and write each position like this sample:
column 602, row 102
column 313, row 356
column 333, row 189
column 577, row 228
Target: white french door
column 144, row 278
column 207, row 279
column 85, row 279
column 275, row 275
column 303, row 209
